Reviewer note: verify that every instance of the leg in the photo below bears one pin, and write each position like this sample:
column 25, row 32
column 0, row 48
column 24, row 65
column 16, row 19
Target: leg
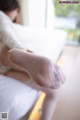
column 39, row 68
column 19, row 75
column 5, row 61
column 50, row 100
column 51, row 96
column 49, row 103
column 38, row 63
column 49, row 106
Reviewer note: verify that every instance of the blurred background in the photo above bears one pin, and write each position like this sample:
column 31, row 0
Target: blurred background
column 50, row 14
column 68, row 18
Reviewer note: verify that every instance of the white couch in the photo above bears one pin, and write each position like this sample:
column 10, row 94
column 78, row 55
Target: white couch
column 15, row 97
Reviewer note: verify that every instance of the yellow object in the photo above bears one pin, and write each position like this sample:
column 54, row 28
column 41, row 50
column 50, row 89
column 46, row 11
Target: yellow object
column 59, row 62
column 35, row 115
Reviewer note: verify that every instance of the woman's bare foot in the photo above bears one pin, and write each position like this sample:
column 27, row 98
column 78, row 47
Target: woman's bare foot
column 39, row 68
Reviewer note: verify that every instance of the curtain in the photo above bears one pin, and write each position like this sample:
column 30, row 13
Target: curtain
column 37, row 13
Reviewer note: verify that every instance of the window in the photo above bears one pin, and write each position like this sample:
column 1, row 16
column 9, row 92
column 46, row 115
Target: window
column 67, row 17
column 37, row 13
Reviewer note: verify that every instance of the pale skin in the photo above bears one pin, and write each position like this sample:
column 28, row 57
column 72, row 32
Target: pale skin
column 26, row 66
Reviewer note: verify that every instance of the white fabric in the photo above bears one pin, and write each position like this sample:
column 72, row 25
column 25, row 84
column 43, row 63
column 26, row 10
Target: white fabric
column 7, row 33
column 8, row 37
column 45, row 42
column 15, row 97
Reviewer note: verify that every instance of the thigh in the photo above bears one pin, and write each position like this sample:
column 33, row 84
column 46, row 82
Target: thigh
column 4, row 59
column 19, row 75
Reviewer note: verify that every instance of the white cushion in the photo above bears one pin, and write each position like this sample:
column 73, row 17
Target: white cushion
column 46, row 42
column 15, row 97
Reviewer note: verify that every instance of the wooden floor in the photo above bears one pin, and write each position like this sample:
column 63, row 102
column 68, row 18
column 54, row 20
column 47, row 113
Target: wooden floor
column 68, row 107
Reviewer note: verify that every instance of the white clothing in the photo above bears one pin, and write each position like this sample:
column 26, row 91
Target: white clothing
column 8, row 37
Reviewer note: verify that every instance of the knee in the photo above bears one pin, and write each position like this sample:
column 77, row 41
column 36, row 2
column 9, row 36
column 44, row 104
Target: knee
column 54, row 74
column 53, row 94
